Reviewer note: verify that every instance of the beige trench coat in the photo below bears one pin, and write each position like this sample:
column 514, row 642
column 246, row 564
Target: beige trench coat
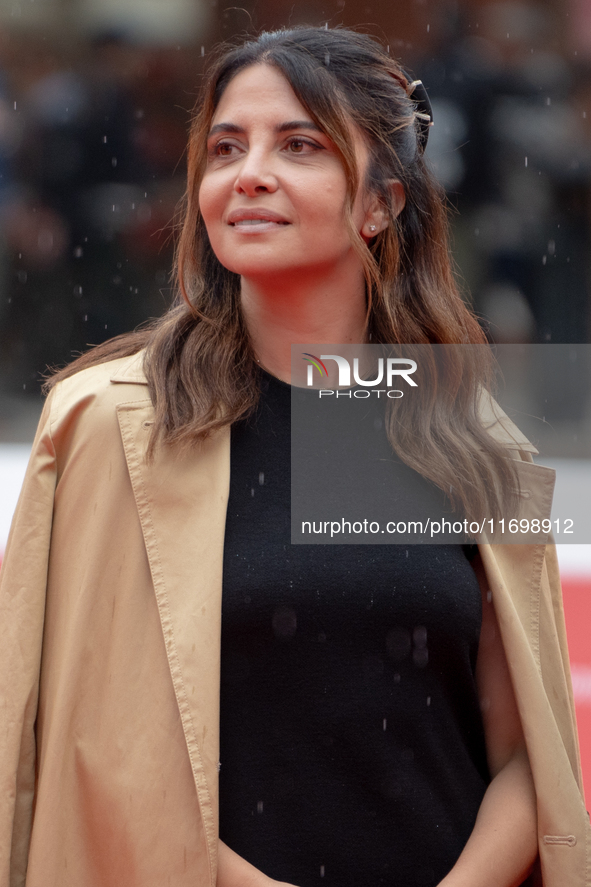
column 110, row 647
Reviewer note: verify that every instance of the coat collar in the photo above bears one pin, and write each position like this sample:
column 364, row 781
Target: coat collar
column 130, row 369
column 499, row 425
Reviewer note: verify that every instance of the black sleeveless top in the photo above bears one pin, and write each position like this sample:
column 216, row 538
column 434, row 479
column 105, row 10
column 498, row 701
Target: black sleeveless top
column 352, row 747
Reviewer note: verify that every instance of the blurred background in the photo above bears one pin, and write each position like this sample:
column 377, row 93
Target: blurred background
column 95, row 101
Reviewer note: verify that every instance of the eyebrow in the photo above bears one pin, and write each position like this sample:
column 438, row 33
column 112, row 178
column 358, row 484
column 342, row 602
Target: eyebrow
column 283, row 127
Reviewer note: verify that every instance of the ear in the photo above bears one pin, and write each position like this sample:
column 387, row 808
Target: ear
column 378, row 216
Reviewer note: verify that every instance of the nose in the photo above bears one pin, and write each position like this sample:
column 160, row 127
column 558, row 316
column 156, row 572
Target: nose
column 255, row 175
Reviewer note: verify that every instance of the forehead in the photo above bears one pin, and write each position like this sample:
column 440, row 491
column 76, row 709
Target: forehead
column 258, row 88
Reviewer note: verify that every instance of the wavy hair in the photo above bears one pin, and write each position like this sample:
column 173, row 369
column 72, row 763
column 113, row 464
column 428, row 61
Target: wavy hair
column 199, row 363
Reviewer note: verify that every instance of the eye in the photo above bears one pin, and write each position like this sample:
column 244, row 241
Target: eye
column 297, row 145
column 223, row 149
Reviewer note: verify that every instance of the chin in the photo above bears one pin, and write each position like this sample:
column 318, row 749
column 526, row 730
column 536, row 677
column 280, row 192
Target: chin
column 259, row 269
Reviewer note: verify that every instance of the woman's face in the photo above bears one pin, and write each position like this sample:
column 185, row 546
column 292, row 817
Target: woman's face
column 274, row 191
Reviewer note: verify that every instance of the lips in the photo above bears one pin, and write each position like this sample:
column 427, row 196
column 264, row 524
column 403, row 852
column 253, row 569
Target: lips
column 256, row 222
column 255, row 217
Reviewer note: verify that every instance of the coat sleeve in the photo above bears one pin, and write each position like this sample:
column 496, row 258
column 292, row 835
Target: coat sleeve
column 23, row 581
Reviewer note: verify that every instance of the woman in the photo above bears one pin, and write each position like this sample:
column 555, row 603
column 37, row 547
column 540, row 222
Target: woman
column 310, row 217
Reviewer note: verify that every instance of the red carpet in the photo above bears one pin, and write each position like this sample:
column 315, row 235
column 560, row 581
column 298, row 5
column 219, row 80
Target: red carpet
column 577, row 609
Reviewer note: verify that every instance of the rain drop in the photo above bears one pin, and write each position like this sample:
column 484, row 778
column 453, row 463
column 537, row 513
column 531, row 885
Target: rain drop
column 202, row 51
column 420, row 657
column 419, row 636
column 78, row 252
column 261, row 478
column 526, row 162
column 384, row 724
column 544, row 259
column 260, row 807
column 321, row 871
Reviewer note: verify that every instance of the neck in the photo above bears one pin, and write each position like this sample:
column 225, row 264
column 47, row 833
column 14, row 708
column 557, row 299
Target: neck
column 283, row 311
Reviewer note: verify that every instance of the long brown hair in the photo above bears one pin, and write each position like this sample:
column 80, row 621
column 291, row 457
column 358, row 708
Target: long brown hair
column 199, row 363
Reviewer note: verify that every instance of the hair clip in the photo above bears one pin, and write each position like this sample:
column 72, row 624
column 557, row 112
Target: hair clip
column 423, row 114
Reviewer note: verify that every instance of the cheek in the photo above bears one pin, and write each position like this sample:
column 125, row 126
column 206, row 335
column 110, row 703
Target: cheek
column 205, row 201
column 323, row 206
column 212, row 199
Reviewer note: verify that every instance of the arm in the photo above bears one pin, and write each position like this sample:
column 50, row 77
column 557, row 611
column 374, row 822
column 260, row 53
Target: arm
column 235, row 871
column 503, row 845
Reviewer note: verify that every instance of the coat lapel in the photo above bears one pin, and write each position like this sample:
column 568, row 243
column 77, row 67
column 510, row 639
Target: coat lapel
column 520, row 562
column 181, row 499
